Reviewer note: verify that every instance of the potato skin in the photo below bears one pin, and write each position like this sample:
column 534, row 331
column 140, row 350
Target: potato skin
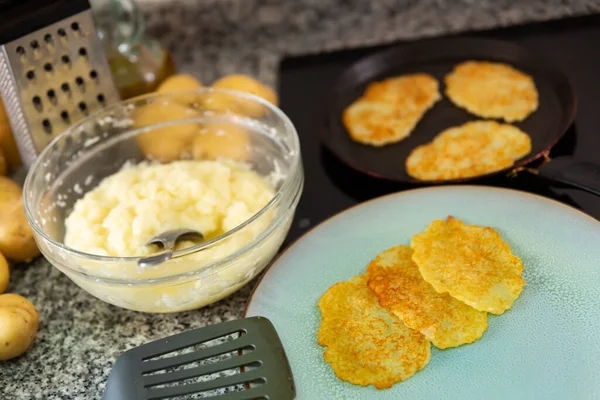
column 15, row 300
column 246, row 84
column 242, row 83
column 16, row 236
column 4, row 273
column 222, row 141
column 19, row 321
column 10, row 192
column 168, row 143
column 177, row 83
column 7, row 141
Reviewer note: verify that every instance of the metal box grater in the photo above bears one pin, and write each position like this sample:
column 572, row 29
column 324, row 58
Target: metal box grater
column 53, row 69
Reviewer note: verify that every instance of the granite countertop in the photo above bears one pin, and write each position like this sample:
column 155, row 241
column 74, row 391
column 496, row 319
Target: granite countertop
column 80, row 336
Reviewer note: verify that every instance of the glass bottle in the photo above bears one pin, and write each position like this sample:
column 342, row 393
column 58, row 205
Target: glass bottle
column 138, row 63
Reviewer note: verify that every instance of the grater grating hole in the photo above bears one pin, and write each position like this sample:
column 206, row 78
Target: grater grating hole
column 30, row 74
column 93, row 74
column 65, row 87
column 20, row 50
column 75, row 26
column 64, row 115
column 100, row 98
column 65, row 59
column 47, row 126
column 48, row 67
column 82, row 52
column 34, row 44
column 80, row 83
column 61, row 32
column 48, row 38
column 83, row 107
column 37, row 102
column 51, row 95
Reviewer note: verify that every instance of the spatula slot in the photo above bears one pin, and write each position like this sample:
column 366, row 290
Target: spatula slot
column 203, row 373
column 204, row 354
column 209, row 389
column 194, row 364
column 189, row 342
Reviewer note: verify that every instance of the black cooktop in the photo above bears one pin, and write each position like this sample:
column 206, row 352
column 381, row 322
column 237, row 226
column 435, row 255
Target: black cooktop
column 331, row 186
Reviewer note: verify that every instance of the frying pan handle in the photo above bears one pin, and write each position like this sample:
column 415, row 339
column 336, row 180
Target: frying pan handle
column 568, row 170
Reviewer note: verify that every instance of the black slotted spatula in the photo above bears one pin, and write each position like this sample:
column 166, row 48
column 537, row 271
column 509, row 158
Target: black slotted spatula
column 255, row 352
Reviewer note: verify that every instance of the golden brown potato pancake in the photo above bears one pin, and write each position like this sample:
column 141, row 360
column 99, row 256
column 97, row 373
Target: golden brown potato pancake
column 367, row 344
column 389, row 110
column 472, row 149
column 471, row 263
column 492, row 90
column 446, row 322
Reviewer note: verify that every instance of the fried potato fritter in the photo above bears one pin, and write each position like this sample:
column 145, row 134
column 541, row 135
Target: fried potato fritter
column 389, row 110
column 472, row 149
column 471, row 263
column 446, row 322
column 492, row 90
column 367, row 344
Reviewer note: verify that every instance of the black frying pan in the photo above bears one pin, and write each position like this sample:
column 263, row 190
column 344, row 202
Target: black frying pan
column 556, row 111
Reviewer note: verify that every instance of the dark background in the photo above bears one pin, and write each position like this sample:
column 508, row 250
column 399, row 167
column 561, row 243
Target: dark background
column 572, row 44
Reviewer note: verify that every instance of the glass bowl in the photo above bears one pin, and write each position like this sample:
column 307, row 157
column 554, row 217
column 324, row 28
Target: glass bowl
column 103, row 143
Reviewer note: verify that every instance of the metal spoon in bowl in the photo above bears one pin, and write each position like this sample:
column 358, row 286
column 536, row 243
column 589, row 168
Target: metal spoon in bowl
column 167, row 240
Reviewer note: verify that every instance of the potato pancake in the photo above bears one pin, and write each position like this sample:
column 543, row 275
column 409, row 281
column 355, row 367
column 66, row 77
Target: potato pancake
column 367, row 344
column 446, row 322
column 472, row 149
column 471, row 263
column 492, row 90
column 389, row 110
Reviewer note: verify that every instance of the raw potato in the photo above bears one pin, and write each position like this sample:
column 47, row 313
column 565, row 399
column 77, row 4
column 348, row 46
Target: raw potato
column 16, row 236
column 246, row 84
column 4, row 273
column 171, row 142
column 222, row 141
column 7, row 141
column 19, row 322
column 180, row 82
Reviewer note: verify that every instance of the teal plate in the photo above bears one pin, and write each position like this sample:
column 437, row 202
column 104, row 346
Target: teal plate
column 546, row 347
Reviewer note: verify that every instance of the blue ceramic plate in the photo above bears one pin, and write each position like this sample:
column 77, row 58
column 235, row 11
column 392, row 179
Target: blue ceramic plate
column 546, row 347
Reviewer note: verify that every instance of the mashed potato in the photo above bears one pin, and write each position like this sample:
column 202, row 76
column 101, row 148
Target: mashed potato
column 128, row 208
column 139, row 202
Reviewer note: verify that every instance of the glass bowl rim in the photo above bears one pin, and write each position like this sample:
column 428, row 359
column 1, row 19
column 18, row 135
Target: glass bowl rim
column 285, row 187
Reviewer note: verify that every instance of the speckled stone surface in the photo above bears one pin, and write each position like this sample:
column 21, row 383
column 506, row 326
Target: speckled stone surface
column 80, row 336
